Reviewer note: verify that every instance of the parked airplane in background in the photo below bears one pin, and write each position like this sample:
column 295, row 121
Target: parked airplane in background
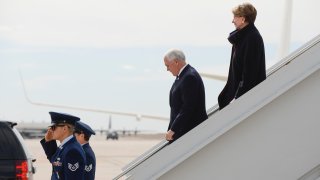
column 111, row 134
column 31, row 130
column 115, row 133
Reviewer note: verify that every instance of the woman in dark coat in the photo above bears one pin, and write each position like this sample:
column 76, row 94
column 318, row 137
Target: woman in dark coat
column 247, row 64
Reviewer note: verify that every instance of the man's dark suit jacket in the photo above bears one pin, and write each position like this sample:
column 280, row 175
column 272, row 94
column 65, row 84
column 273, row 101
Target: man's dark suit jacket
column 187, row 102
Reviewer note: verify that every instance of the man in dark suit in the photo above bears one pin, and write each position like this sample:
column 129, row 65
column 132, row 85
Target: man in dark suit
column 187, row 96
column 83, row 133
column 68, row 160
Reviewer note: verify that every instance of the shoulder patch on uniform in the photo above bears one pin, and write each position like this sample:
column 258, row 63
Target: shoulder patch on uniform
column 73, row 167
column 88, row 168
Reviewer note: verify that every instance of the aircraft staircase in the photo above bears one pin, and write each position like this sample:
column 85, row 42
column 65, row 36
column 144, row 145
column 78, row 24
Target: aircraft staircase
column 271, row 132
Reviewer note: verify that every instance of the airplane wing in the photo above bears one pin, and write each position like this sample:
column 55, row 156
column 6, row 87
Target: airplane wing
column 137, row 115
column 214, row 76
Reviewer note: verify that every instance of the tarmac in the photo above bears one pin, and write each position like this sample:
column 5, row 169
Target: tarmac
column 111, row 155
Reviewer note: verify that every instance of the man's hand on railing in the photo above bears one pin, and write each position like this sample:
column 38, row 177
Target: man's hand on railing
column 169, row 135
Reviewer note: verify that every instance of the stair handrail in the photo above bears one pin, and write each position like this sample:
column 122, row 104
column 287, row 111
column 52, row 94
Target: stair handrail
column 214, row 109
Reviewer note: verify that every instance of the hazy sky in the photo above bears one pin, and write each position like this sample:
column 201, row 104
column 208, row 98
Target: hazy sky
column 107, row 54
column 122, row 23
